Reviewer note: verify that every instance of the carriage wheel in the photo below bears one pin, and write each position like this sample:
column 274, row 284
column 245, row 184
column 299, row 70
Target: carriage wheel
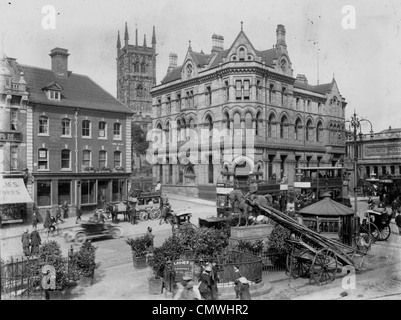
column 80, row 238
column 143, row 215
column 374, row 231
column 300, row 264
column 385, row 233
column 116, row 233
column 324, row 267
column 155, row 214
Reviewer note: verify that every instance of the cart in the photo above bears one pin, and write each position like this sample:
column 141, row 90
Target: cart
column 312, row 254
column 181, row 222
column 377, row 223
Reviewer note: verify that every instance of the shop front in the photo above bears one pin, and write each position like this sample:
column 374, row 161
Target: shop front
column 13, row 200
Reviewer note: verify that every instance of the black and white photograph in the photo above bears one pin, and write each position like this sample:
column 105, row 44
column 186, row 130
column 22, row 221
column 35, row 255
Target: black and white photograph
column 221, row 150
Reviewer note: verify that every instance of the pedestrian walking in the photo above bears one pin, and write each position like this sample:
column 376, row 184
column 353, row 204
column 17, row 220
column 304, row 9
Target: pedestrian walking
column 398, row 222
column 215, row 280
column 35, row 219
column 26, row 242
column 242, row 289
column 205, row 286
column 58, row 214
column 65, row 209
column 132, row 213
column 78, row 214
column 36, row 241
column 165, row 212
column 151, row 239
column 47, row 222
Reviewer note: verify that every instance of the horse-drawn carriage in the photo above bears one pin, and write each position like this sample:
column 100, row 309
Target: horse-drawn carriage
column 180, row 221
column 377, row 224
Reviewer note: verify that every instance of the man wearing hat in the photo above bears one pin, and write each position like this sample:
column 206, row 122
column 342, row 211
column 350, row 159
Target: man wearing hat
column 25, row 242
column 36, row 241
column 132, row 212
column 188, row 292
column 242, row 289
column 205, row 286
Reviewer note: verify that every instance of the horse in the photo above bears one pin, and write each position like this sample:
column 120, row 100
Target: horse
column 238, row 197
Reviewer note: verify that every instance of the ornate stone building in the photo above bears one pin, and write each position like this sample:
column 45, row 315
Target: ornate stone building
column 294, row 123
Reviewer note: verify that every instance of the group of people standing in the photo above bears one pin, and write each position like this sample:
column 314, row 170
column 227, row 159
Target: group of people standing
column 31, row 242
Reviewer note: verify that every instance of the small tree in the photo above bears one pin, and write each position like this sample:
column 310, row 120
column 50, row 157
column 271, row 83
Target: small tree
column 277, row 239
column 254, row 247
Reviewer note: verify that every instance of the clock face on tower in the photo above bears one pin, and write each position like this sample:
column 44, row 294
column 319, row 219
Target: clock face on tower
column 189, row 69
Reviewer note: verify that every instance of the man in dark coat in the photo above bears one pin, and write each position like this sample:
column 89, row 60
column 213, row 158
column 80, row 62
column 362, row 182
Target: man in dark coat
column 35, row 218
column 65, row 209
column 25, row 242
column 58, row 214
column 206, row 282
column 36, row 241
column 78, row 214
column 47, row 222
column 132, row 214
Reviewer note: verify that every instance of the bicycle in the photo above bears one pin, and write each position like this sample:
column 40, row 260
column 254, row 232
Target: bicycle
column 52, row 231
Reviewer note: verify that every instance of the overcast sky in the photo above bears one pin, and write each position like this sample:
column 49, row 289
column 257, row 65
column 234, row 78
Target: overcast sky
column 366, row 61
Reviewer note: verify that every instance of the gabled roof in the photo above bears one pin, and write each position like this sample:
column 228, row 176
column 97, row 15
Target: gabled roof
column 77, row 91
column 53, row 86
column 174, row 74
column 320, row 88
column 201, row 59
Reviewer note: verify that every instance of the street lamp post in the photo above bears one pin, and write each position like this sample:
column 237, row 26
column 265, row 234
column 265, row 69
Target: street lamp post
column 354, row 126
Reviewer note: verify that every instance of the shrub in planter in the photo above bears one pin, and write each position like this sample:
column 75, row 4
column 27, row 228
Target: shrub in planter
column 86, row 263
column 139, row 249
column 50, row 254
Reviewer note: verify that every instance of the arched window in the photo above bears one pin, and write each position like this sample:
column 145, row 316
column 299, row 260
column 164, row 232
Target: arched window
column 117, row 131
column 298, row 129
column 86, row 128
column 143, row 68
column 283, row 125
column 257, row 131
column 248, row 123
column 309, row 131
column 102, row 159
column 168, row 131
column 117, row 158
column 237, row 124
column 43, row 125
column 102, row 129
column 227, row 119
column 241, row 53
column 319, row 132
column 87, row 158
column 178, row 130
column 270, row 125
column 136, row 67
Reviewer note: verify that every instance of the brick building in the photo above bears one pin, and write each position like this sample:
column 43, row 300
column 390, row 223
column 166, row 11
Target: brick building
column 294, row 123
column 78, row 137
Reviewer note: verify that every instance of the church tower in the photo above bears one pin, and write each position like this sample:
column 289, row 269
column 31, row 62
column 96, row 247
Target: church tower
column 136, row 73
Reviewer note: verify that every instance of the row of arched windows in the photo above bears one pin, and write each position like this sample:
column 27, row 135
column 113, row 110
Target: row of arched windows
column 273, row 127
column 139, row 68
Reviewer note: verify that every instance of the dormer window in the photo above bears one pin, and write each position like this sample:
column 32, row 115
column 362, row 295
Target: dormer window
column 53, row 95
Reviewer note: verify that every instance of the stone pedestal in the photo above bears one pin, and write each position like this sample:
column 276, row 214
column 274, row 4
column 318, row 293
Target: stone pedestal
column 250, row 233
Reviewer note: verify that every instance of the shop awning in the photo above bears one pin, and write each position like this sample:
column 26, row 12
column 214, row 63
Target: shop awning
column 13, row 191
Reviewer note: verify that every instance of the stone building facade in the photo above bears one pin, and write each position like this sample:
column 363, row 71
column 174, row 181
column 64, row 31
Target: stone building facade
column 294, row 123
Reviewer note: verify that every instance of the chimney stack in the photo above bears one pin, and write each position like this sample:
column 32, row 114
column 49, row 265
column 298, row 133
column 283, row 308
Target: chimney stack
column 280, row 32
column 217, row 43
column 172, row 61
column 60, row 62
column 302, row 78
